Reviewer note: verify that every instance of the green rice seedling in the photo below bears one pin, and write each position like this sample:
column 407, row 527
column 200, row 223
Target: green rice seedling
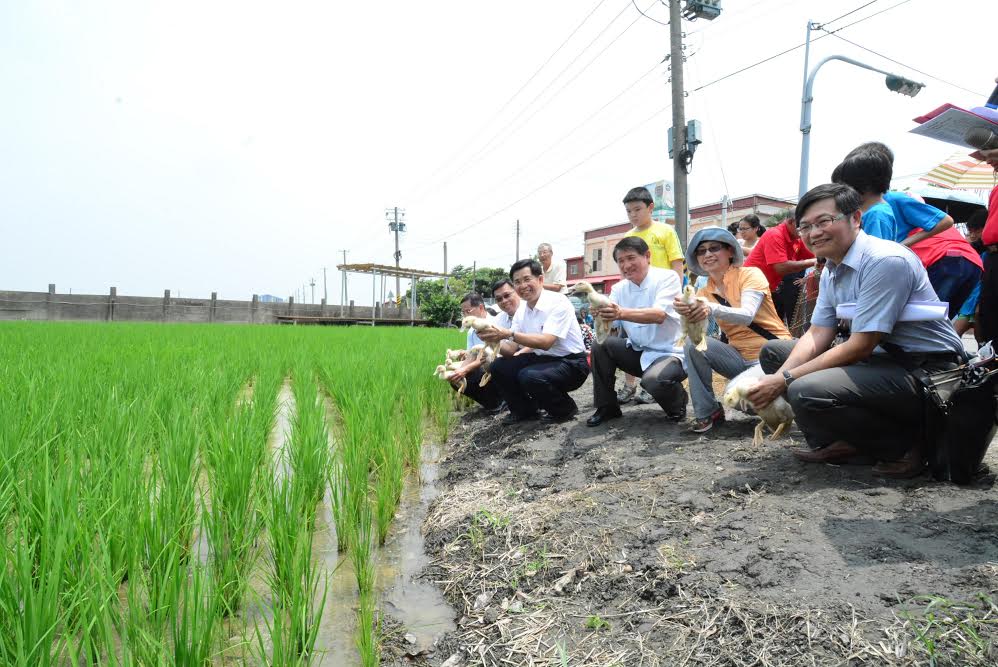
column 309, row 452
column 362, row 548
column 194, row 626
column 31, row 588
column 368, row 632
column 294, row 580
column 236, row 458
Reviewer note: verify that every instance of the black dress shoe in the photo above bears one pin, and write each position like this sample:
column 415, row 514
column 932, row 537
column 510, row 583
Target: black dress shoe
column 513, row 418
column 603, row 414
column 558, row 419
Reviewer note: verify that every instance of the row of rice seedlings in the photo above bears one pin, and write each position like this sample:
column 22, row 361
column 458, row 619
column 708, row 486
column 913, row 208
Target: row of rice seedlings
column 237, row 459
column 297, row 586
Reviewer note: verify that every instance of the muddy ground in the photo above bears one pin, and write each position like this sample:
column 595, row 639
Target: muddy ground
column 637, row 543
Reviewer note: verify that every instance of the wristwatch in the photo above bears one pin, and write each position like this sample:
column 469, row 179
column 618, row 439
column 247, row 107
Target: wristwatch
column 788, row 378
column 511, row 336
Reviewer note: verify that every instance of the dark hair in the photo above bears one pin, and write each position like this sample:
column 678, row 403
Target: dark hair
column 868, row 171
column 733, row 228
column 474, row 299
column 532, row 264
column 499, row 283
column 873, row 147
column 977, row 219
column 753, row 221
column 847, row 200
column 635, row 243
column 639, row 194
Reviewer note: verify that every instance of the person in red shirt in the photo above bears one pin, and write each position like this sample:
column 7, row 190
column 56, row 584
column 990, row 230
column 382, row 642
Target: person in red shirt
column 781, row 255
column 987, row 306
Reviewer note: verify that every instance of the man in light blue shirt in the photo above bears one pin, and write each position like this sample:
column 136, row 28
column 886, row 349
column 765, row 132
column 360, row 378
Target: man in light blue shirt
column 641, row 306
column 858, row 398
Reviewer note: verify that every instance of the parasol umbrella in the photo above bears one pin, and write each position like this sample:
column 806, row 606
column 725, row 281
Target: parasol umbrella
column 962, row 172
column 958, row 203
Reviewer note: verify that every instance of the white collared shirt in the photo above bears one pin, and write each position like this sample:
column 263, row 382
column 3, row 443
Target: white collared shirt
column 658, row 290
column 552, row 314
column 504, row 321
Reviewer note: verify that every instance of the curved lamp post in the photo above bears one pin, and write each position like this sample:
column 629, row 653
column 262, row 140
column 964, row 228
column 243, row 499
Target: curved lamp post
column 894, row 82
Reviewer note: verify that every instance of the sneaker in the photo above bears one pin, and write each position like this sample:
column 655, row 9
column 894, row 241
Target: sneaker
column 625, row 394
column 643, row 397
column 707, row 423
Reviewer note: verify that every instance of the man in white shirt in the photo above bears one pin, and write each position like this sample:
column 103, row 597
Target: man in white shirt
column 542, row 378
column 470, row 370
column 642, row 307
column 554, row 270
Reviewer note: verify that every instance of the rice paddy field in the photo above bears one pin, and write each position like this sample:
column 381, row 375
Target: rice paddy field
column 163, row 487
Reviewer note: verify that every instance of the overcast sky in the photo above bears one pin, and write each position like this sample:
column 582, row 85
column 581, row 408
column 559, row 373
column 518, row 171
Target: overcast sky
column 237, row 147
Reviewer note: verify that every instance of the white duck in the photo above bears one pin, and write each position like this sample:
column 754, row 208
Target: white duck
column 596, row 301
column 778, row 415
column 480, row 324
column 695, row 331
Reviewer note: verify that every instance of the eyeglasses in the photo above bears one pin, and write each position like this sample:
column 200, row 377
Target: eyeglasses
column 714, row 249
column 744, row 229
column 503, row 297
column 817, row 225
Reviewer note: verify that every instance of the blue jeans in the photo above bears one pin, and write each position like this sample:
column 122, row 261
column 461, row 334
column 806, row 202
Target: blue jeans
column 953, row 279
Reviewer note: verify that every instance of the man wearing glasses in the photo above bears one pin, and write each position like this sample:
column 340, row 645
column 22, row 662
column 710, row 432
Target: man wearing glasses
column 556, row 365
column 858, row 399
column 471, row 370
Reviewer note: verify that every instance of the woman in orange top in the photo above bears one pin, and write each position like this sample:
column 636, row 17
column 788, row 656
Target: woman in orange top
column 739, row 299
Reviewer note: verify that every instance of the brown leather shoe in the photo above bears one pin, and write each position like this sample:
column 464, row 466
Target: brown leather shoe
column 910, row 465
column 837, row 452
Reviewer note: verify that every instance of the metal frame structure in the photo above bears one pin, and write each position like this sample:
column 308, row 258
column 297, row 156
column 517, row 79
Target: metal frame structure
column 376, row 270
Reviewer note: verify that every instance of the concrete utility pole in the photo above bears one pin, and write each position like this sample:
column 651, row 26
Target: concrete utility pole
column 517, row 258
column 474, row 274
column 343, row 284
column 678, row 122
column 311, row 283
column 446, row 279
column 395, row 217
column 325, row 293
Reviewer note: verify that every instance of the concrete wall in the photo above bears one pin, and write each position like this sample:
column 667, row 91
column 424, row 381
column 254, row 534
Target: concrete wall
column 113, row 307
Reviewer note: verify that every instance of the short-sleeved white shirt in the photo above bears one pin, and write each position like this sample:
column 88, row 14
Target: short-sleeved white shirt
column 556, row 275
column 504, row 321
column 552, row 314
column 658, row 290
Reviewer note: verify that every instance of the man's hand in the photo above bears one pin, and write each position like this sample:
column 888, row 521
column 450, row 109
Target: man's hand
column 692, row 312
column 766, row 390
column 609, row 313
column 494, row 334
column 523, row 350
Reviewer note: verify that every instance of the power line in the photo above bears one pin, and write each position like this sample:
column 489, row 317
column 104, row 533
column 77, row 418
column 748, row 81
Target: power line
column 578, row 164
column 494, row 142
column 794, row 48
column 650, row 18
column 519, row 90
column 848, row 13
column 898, row 62
column 630, row 86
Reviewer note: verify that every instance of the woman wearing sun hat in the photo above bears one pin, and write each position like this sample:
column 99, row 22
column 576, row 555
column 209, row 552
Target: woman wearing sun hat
column 739, row 299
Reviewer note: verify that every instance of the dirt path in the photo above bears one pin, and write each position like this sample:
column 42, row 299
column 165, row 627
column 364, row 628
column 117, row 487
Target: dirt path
column 636, row 543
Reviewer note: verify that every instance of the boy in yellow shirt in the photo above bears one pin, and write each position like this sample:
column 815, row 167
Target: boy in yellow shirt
column 666, row 253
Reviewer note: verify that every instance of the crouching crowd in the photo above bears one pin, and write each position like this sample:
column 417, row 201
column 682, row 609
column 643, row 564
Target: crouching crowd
column 850, row 388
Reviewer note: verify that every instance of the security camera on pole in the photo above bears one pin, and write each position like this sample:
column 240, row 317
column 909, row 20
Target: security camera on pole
column 685, row 137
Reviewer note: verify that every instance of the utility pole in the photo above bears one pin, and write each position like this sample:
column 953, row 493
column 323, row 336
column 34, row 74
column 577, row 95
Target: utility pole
column 474, row 274
column 517, row 258
column 343, row 284
column 311, row 283
column 678, row 122
column 325, row 293
column 446, row 278
column 395, row 217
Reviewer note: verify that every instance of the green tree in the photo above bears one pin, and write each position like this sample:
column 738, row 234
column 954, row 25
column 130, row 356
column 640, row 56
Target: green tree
column 441, row 309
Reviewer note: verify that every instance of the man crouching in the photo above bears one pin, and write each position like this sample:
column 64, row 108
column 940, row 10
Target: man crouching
column 641, row 305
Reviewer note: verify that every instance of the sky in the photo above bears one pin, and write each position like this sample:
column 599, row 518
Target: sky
column 240, row 147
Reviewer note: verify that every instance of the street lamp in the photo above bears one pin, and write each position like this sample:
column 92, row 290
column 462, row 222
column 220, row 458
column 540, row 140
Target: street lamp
column 894, row 82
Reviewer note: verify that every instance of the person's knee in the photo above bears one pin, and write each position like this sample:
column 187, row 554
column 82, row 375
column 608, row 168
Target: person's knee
column 531, row 379
column 662, row 378
column 772, row 355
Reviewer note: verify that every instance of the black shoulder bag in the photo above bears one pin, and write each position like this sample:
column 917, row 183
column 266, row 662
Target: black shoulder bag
column 765, row 333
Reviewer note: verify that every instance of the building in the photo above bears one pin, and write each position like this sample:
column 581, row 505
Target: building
column 597, row 267
column 270, row 298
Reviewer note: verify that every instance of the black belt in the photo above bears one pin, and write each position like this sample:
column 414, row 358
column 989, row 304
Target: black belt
column 575, row 355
